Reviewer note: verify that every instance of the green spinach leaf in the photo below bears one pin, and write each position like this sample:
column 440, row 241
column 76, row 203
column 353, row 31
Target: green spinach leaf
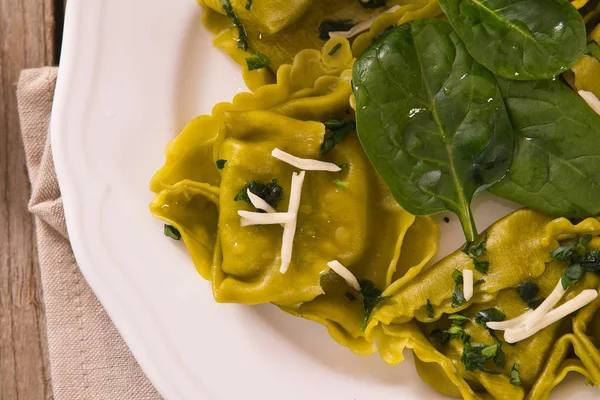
column 556, row 164
column 519, row 39
column 431, row 120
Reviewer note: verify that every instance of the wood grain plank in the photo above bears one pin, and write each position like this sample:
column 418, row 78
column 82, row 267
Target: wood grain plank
column 27, row 39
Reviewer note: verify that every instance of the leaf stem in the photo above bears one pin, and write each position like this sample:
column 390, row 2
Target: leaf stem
column 468, row 224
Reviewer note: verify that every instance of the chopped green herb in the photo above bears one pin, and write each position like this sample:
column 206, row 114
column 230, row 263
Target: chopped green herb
column 458, row 319
column 447, row 220
column 270, row 192
column 371, row 296
column 593, row 50
column 243, row 37
column 489, row 314
column 257, row 61
column 444, row 336
column 172, row 232
column 457, row 277
column 590, row 261
column 340, row 184
column 334, row 124
column 589, row 383
column 328, row 26
column 515, row 379
column 335, row 49
column 481, row 266
column 490, row 351
column 476, row 252
column 479, row 282
column 456, row 331
column 500, row 358
column 479, row 249
column 350, row 296
column 573, row 248
column 458, row 297
column 535, row 303
column 528, row 290
column 571, row 275
column 248, row 4
column 372, row 3
column 476, row 355
column 429, row 309
column 343, row 166
column 221, row 164
column 580, row 258
column 336, row 135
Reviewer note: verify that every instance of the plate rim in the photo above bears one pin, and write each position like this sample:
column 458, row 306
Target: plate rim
column 60, row 132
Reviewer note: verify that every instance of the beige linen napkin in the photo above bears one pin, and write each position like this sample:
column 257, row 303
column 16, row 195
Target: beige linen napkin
column 88, row 358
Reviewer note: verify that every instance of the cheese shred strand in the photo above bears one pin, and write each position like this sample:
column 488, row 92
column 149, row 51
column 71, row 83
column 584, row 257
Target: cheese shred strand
column 289, row 231
column 345, row 273
column 305, row 164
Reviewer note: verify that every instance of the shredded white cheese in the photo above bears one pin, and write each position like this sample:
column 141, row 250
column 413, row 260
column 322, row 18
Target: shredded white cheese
column 345, row 273
column 591, row 99
column 256, row 218
column 259, row 203
column 289, row 231
column 546, row 306
column 509, row 324
column 581, row 300
column 468, row 284
column 305, row 164
column 363, row 26
column 533, row 321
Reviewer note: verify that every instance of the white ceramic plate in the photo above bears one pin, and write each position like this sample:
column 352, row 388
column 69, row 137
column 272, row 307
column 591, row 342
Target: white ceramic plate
column 133, row 73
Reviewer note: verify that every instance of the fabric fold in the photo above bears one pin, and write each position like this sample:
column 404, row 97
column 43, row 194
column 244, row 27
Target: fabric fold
column 88, row 358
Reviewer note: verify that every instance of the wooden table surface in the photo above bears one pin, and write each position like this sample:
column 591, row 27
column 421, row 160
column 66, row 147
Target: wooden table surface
column 30, row 32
